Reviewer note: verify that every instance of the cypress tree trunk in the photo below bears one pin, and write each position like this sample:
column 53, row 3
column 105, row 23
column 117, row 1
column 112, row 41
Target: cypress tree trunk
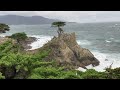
column 58, row 31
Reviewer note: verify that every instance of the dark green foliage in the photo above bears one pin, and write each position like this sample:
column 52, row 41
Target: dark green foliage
column 45, row 72
column 41, row 54
column 53, row 73
column 113, row 73
column 14, row 64
column 4, row 28
column 19, row 36
column 58, row 24
column 92, row 74
column 71, row 74
column 1, row 76
column 9, row 47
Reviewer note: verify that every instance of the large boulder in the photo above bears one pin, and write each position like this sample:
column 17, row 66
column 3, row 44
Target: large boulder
column 66, row 51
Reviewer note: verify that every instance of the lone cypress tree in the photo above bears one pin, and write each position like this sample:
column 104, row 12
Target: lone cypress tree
column 59, row 24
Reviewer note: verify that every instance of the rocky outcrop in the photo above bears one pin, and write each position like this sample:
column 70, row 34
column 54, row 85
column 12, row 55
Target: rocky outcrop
column 66, row 51
column 27, row 42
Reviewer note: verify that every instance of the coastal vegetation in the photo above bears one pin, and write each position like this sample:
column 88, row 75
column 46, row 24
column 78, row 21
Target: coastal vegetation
column 19, row 37
column 17, row 63
column 4, row 28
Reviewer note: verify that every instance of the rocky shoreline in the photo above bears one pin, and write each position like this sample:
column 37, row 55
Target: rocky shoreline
column 64, row 50
column 25, row 44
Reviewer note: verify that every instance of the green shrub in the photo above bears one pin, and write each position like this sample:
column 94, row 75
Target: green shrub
column 1, row 76
column 35, row 76
column 10, row 57
column 4, row 28
column 19, row 37
column 113, row 73
column 71, row 75
column 46, row 71
column 40, row 55
column 92, row 74
column 9, row 47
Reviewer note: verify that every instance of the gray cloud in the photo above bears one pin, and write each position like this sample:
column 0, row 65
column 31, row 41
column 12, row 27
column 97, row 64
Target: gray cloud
column 73, row 16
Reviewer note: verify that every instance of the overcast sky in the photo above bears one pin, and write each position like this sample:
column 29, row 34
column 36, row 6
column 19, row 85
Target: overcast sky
column 72, row 16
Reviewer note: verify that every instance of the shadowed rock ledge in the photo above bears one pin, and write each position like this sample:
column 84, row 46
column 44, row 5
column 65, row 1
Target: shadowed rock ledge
column 66, row 51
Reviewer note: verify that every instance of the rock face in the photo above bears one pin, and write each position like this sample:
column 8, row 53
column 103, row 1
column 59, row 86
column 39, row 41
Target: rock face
column 28, row 41
column 66, row 51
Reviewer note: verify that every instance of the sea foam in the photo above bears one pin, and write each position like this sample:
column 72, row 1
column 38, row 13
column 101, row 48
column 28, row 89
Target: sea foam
column 41, row 40
column 105, row 61
column 2, row 35
column 83, row 42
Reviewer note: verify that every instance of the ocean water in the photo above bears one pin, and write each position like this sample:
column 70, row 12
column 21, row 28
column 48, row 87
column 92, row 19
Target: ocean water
column 102, row 39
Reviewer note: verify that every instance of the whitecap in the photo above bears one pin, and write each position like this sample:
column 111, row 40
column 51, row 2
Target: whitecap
column 102, row 57
column 2, row 35
column 105, row 61
column 81, row 69
column 108, row 41
column 41, row 40
column 83, row 42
